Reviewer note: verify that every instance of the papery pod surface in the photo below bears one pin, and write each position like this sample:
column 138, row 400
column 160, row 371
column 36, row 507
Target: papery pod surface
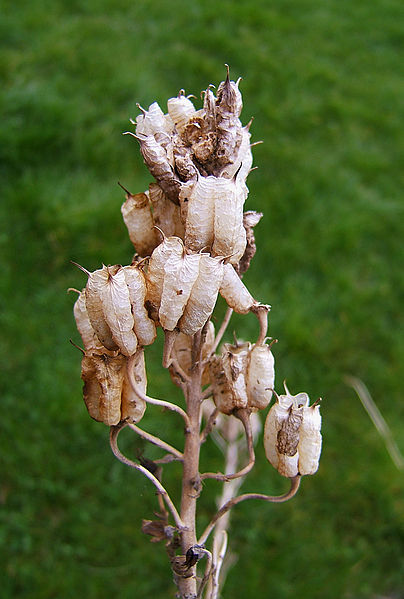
column 229, row 238
column 117, row 310
column 180, row 110
column 153, row 121
column 310, row 440
column 158, row 163
column 221, row 390
column 166, row 214
column 103, row 379
column 200, row 213
column 133, row 406
column 182, row 352
column 138, row 219
column 228, row 373
column 260, row 376
column 144, row 327
column 235, row 292
column 97, row 281
column 84, row 326
column 91, row 388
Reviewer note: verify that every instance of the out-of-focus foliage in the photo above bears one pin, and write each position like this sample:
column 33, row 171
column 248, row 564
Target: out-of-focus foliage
column 324, row 81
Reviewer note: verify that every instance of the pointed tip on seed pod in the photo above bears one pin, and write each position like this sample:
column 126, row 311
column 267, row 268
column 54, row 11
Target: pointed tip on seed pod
column 88, row 273
column 141, row 109
column 228, row 72
column 285, row 387
column 128, row 193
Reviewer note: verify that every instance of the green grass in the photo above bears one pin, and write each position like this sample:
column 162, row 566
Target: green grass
column 324, row 81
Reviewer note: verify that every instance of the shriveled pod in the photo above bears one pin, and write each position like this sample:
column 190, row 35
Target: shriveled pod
column 235, row 359
column 235, row 292
column 84, row 326
column 144, row 327
column 221, row 389
column 242, row 159
column 168, row 248
column 180, row 110
column 138, row 219
column 228, row 98
column 157, row 162
column 292, row 438
column 182, row 156
column 260, row 376
column 153, row 121
column 103, row 379
column 117, row 310
column 132, row 406
column 97, row 281
column 166, row 214
column 229, row 237
column 199, row 199
column 209, row 109
column 181, row 272
column 182, row 352
column 203, row 296
column 250, row 219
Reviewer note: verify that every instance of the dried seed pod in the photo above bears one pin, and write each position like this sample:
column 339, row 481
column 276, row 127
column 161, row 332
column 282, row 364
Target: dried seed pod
column 250, row 219
column 229, row 100
column 117, row 310
column 182, row 353
column 182, row 155
column 88, row 335
column 91, row 388
column 292, row 438
column 228, row 377
column 157, row 162
column 200, row 213
column 235, row 292
column 181, row 272
column 168, row 248
column 166, row 215
column 242, row 160
column 260, row 376
column 139, row 222
column 180, row 110
column 203, row 296
column 144, row 327
column 132, row 406
column 153, row 121
column 97, row 280
column 229, row 238
column 103, row 379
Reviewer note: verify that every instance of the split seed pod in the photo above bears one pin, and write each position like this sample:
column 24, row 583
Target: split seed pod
column 180, row 110
column 292, row 437
column 132, row 406
column 139, row 222
column 97, row 281
column 235, row 292
column 260, row 376
column 228, row 376
column 144, row 327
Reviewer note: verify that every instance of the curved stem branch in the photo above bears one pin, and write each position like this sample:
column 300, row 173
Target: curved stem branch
column 157, row 441
column 261, row 312
column 294, row 486
column 208, row 572
column 152, row 400
column 113, row 440
column 209, row 425
column 244, row 416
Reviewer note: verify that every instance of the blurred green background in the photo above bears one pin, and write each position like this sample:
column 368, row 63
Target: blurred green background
column 324, row 80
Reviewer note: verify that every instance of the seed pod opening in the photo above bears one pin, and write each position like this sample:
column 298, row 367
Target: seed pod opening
column 228, row 376
column 139, row 222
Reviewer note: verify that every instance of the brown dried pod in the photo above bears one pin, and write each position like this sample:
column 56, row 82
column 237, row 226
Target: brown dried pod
column 240, row 162
column 132, row 406
column 117, row 310
column 166, row 214
column 84, row 326
column 182, row 353
column 181, row 272
column 260, row 376
column 235, row 292
column 91, row 388
column 153, row 121
column 157, row 162
column 97, row 280
column 144, row 327
column 103, row 379
column 170, row 246
column 203, row 296
column 180, row 110
column 138, row 219
column 182, row 156
column 229, row 100
column 229, row 378
column 250, row 219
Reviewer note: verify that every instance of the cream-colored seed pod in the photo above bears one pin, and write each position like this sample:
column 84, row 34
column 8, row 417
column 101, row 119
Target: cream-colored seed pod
column 97, row 281
column 144, row 327
column 132, row 406
column 168, row 248
column 166, row 214
column 200, row 214
column 203, row 296
column 235, row 292
column 180, row 275
column 153, row 121
column 229, row 237
column 117, row 310
column 87, row 333
column 138, row 219
column 292, row 438
column 182, row 352
column 228, row 376
column 109, row 373
column 180, row 110
column 260, row 376
column 310, row 440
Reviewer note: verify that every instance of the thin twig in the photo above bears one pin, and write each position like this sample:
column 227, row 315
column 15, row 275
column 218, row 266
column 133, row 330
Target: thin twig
column 157, row 441
column 178, row 370
column 222, row 329
column 377, row 419
column 209, row 425
column 221, row 554
column 208, row 571
column 152, row 400
column 208, row 392
column 113, row 439
column 295, row 483
column 244, row 416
